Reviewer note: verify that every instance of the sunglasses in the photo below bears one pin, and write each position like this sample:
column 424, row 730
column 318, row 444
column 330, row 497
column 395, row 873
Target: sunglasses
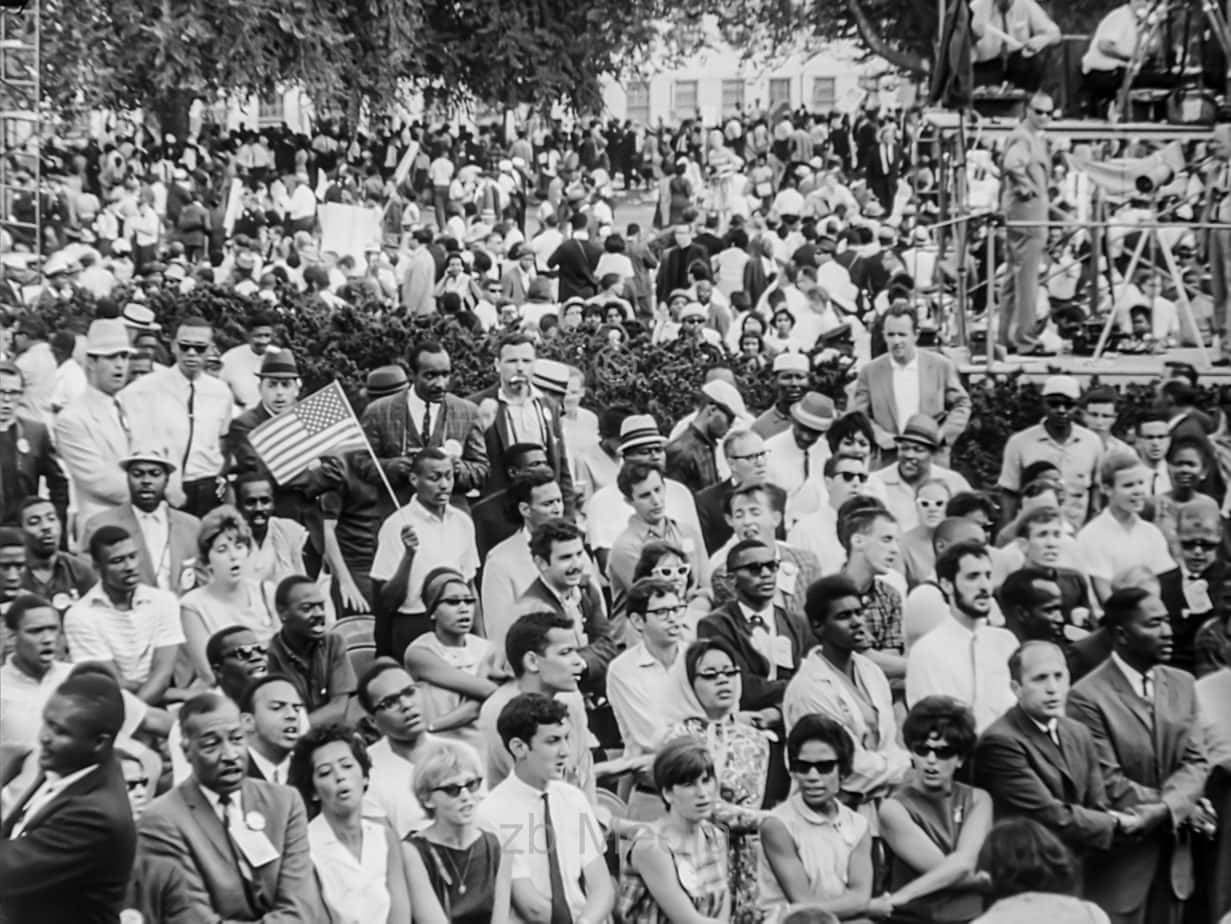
column 199, row 348
column 942, row 751
column 752, row 457
column 1192, row 545
column 760, row 567
column 142, row 781
column 453, row 790
column 457, row 601
column 1057, row 402
column 1043, row 112
column 246, row 652
column 670, row 573
column 386, row 703
column 804, row 767
column 722, row 672
column 848, row 477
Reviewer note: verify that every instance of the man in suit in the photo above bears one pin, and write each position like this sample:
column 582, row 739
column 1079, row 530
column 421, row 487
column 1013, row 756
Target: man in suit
column 1200, row 588
column 768, row 643
column 884, row 166
column 1143, row 717
column 522, row 415
column 417, row 271
column 930, row 383
column 400, row 425
column 1038, row 763
column 67, row 848
column 673, row 272
column 26, row 453
column 520, row 273
column 574, row 262
column 241, row 844
column 747, row 458
column 274, row 720
column 92, row 431
column 166, row 538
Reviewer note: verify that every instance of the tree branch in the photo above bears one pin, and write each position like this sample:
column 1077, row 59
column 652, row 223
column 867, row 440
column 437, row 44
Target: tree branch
column 872, row 37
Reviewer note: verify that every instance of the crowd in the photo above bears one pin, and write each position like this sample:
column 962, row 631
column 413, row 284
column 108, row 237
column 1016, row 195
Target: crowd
column 510, row 658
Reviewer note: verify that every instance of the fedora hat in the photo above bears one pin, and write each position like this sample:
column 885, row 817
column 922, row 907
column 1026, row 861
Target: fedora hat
column 814, row 411
column 107, row 337
column 156, row 456
column 387, row 380
column 639, row 430
column 727, row 397
column 139, row 317
column 921, row 429
column 550, row 376
column 279, row 365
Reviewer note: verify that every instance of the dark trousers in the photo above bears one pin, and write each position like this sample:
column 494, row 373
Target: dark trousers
column 1026, row 73
column 201, row 496
column 1101, row 87
column 392, row 632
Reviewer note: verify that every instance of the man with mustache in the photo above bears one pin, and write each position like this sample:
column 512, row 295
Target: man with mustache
column 964, row 657
column 242, row 844
column 305, row 652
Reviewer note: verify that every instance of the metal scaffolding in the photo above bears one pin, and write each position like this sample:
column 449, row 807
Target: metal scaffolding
column 20, row 163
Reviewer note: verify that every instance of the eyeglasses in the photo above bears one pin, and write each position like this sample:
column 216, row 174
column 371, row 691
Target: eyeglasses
column 715, row 674
column 393, row 699
column 457, row 601
column 1053, row 401
column 752, row 457
column 848, row 477
column 942, row 751
column 760, row 567
column 1192, row 545
column 199, row 348
column 1043, row 112
column 665, row 611
column 246, row 652
column 453, row 790
column 142, row 781
column 670, row 574
column 804, row 767
column 13, row 394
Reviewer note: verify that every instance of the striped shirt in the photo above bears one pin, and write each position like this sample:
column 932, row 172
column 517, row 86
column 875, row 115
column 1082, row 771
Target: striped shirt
column 97, row 631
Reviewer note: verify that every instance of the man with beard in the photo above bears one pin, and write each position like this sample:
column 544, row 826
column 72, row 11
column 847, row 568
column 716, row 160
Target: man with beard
column 790, row 384
column 980, row 677
column 277, row 542
column 166, row 538
column 1073, row 449
column 917, row 444
column 242, row 844
column 61, row 577
column 1038, row 763
column 1196, row 592
column 1031, row 603
column 390, row 697
column 839, row 681
column 306, row 653
column 273, row 718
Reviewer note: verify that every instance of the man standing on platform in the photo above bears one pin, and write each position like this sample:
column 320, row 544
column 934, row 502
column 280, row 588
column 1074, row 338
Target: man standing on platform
column 1010, row 39
column 1026, row 172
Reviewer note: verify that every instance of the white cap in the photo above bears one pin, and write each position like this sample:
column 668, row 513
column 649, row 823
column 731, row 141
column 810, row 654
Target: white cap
column 791, row 362
column 1064, row 385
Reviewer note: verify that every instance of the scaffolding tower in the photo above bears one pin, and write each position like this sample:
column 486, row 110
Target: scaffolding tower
column 20, row 163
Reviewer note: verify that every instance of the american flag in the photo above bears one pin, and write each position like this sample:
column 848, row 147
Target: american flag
column 320, row 424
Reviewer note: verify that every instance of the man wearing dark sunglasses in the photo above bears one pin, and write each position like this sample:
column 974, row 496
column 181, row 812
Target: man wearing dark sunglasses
column 1198, row 592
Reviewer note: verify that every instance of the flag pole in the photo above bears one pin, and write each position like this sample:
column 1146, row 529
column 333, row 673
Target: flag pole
column 384, row 479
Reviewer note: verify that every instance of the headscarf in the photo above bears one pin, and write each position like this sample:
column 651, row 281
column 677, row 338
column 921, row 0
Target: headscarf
column 434, row 585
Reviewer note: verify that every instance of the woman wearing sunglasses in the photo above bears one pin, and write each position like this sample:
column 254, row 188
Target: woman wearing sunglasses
column 816, row 851
column 668, row 562
column 461, row 863
column 918, row 555
column 358, row 861
column 933, row 825
column 451, row 663
column 709, row 691
column 677, row 867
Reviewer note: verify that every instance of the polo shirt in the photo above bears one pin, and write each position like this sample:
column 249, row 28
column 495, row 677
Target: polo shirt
column 1077, row 457
column 447, row 540
column 324, row 673
column 515, row 813
column 1107, row 548
column 96, row 631
column 641, row 690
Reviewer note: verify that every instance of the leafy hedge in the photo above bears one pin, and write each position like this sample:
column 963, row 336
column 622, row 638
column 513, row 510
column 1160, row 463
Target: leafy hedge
column 662, row 379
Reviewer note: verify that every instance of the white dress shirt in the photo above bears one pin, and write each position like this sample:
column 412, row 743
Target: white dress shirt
column 1142, row 683
column 785, row 467
column 446, row 540
column 355, row 889
column 641, row 689
column 972, row 666
column 273, row 773
column 417, row 406
column 905, row 389
column 156, row 533
column 156, row 406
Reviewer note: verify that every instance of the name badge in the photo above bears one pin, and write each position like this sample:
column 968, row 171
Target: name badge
column 784, row 655
column 254, row 846
column 188, row 576
column 1197, row 596
column 788, row 574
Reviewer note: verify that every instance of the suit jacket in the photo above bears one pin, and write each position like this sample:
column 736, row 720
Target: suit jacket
column 34, row 457
column 394, row 437
column 1059, row 787
column 605, row 637
column 1185, row 624
column 91, row 443
column 499, row 437
column 182, row 529
column 673, row 272
column 72, row 861
column 727, row 623
column 692, row 460
column 941, row 395
column 574, row 262
column 1088, row 653
column 182, row 827
column 1148, row 753
column 711, row 504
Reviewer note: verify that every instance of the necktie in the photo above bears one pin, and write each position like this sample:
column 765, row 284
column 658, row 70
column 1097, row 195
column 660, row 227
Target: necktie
column 807, row 464
column 560, row 913
column 192, row 423
column 1147, row 688
column 1053, row 732
column 226, row 802
column 425, row 431
column 122, row 418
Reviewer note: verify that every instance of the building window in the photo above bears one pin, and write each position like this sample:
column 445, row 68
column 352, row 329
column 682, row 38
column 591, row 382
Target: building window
column 638, row 94
column 824, row 93
column 270, row 110
column 779, row 92
column 732, row 97
column 684, row 104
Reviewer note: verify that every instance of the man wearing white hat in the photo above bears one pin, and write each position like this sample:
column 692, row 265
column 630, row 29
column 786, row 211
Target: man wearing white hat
column 92, row 433
column 791, row 381
column 692, row 456
column 797, row 456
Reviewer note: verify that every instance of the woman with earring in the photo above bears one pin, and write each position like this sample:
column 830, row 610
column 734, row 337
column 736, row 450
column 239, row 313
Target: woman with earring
column 358, row 861
column 816, row 851
column 460, row 862
column 677, row 866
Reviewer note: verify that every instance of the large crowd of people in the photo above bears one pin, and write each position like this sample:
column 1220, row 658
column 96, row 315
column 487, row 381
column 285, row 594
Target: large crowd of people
column 517, row 659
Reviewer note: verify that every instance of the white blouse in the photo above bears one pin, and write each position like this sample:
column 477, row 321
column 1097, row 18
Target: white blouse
column 355, row 891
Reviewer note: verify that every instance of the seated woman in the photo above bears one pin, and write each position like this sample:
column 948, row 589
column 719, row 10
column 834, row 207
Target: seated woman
column 815, row 850
column 231, row 596
column 677, row 866
column 358, row 861
column 918, row 561
column 663, row 560
column 1032, row 877
column 460, row 862
column 932, row 825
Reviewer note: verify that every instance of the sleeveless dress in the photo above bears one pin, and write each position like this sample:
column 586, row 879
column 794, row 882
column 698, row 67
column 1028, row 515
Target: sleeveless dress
column 464, row 880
